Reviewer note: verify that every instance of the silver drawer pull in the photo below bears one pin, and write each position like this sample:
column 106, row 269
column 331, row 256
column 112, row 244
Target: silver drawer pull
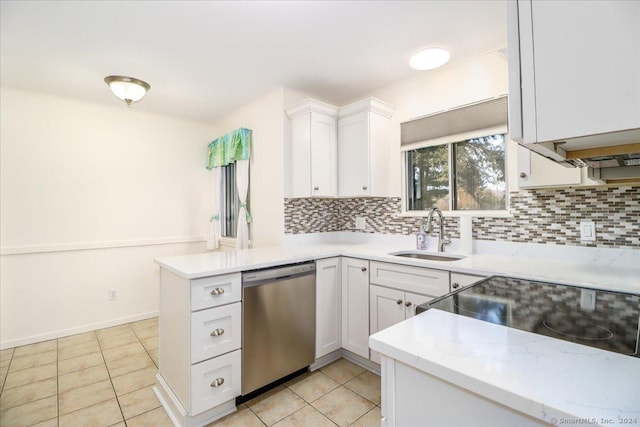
column 217, row 382
column 217, row 332
column 217, row 291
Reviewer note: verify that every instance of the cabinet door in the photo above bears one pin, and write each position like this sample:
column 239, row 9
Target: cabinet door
column 300, row 156
column 536, row 171
column 387, row 308
column 461, row 280
column 353, row 154
column 324, row 169
column 355, row 306
column 580, row 66
column 328, row 307
column 411, row 301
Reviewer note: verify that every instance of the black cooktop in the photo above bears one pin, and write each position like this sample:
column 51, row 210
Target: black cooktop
column 603, row 319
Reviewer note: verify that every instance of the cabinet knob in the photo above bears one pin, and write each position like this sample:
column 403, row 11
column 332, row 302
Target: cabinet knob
column 407, row 304
column 399, row 301
column 217, row 291
column 523, row 175
column 455, row 285
column 217, row 332
column 364, row 187
column 217, row 382
column 364, row 269
column 316, row 188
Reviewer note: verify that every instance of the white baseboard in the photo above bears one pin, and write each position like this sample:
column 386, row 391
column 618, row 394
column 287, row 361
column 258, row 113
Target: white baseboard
column 73, row 331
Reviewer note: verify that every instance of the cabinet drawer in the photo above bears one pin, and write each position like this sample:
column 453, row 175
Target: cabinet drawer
column 215, row 331
column 419, row 280
column 461, row 280
column 216, row 290
column 215, row 381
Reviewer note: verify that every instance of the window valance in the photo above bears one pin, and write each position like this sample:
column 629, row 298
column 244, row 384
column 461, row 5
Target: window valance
column 229, row 148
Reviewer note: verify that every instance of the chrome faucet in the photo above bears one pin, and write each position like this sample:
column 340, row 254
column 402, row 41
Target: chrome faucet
column 443, row 240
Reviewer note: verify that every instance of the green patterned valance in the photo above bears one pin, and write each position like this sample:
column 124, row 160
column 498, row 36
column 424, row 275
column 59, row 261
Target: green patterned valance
column 229, row 148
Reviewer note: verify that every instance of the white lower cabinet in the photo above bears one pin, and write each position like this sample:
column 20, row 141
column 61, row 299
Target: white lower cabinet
column 460, row 280
column 328, row 306
column 215, row 381
column 355, row 306
column 391, row 306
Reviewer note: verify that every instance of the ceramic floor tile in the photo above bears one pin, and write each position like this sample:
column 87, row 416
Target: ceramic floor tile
column 147, row 332
column 82, row 378
column 111, row 341
column 135, row 380
column 80, row 362
column 150, row 343
column 123, row 352
column 53, row 422
column 155, row 418
column 5, row 355
column 312, row 386
column 102, row 414
column 366, row 385
column 31, row 413
column 40, row 347
column 129, row 364
column 342, row 370
column 80, row 349
column 243, row 417
column 143, row 324
column 138, row 402
column 373, row 418
column 307, row 416
column 83, row 397
column 275, row 404
column 30, row 375
column 33, row 360
column 155, row 356
column 76, row 339
column 342, row 406
column 114, row 331
column 28, row 393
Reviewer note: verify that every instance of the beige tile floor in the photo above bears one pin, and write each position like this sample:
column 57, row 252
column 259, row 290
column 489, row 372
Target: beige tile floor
column 105, row 378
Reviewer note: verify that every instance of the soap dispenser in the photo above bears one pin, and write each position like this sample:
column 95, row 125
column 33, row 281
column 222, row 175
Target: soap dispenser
column 422, row 239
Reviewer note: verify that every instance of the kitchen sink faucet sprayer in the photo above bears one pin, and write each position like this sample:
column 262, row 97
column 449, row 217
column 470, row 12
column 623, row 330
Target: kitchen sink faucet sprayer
column 443, row 240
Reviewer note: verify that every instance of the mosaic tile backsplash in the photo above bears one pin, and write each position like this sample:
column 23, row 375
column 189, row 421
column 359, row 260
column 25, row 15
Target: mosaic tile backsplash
column 538, row 216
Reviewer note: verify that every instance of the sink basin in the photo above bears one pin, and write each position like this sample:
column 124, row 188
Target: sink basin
column 430, row 256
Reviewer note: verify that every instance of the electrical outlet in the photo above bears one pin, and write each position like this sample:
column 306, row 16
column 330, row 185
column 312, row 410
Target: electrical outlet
column 587, row 231
column 361, row 223
column 113, row 294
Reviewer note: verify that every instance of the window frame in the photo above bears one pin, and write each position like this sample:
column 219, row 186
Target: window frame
column 449, row 141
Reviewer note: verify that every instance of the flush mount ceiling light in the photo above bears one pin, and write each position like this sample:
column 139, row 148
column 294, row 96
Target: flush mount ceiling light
column 127, row 89
column 429, row 59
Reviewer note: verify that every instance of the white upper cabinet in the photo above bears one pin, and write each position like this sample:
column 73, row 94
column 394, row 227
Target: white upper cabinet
column 313, row 150
column 363, row 149
column 535, row 171
column 574, row 71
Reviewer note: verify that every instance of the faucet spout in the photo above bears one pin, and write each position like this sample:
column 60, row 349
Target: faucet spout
column 443, row 239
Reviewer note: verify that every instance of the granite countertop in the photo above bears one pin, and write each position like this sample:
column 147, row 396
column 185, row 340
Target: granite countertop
column 546, row 378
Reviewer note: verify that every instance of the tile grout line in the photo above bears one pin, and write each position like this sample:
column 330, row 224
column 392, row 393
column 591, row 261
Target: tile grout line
column 110, row 379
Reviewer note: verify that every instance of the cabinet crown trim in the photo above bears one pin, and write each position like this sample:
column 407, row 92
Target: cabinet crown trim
column 311, row 106
column 371, row 104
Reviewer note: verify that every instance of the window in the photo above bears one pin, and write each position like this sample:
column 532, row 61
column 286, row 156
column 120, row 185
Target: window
column 464, row 175
column 229, row 201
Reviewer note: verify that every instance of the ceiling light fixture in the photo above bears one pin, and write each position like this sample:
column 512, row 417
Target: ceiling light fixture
column 127, row 89
column 429, row 59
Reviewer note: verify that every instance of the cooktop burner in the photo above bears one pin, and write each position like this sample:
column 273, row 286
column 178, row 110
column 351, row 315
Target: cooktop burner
column 603, row 319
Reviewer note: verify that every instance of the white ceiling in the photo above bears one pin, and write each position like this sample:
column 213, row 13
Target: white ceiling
column 205, row 59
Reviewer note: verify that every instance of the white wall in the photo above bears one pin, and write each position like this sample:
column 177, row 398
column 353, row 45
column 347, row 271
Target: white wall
column 90, row 195
column 267, row 120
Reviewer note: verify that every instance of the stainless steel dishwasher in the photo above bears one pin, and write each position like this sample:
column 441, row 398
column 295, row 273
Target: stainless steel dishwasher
column 278, row 323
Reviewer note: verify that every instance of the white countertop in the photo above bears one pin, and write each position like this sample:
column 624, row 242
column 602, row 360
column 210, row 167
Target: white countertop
column 547, row 378
column 588, row 274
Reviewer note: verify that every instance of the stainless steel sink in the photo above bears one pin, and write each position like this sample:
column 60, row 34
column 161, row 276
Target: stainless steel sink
column 430, row 256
